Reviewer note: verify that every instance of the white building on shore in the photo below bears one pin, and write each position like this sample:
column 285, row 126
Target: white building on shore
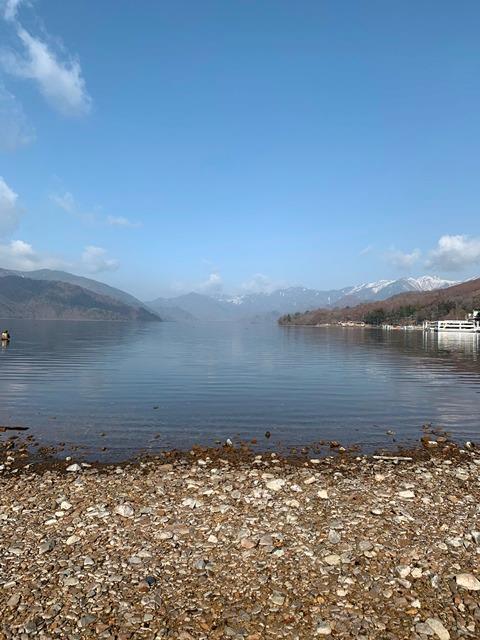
column 471, row 324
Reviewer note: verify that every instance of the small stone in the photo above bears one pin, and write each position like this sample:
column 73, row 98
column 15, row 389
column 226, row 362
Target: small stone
column 406, row 495
column 88, row 562
column 65, row 506
column 247, row 543
column 334, row 537
column 323, row 629
column 323, row 494
column 476, row 537
column 124, row 510
column 277, row 598
column 46, row 546
column 402, row 571
column 86, row 621
column 424, row 629
column 467, row 581
column 333, row 559
column 71, row 582
column 200, row 564
column 437, row 627
column 13, row 601
column 72, row 540
column 74, row 467
column 165, row 535
column 276, row 485
column 30, row 627
column 310, row 480
column 266, row 541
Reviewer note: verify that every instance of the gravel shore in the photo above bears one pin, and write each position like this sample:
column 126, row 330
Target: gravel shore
column 214, row 546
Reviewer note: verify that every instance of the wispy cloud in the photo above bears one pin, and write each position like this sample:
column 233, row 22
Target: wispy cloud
column 213, row 284
column 57, row 75
column 259, row 283
column 403, row 260
column 10, row 210
column 59, row 81
column 10, row 8
column 455, row 252
column 366, row 250
column 96, row 260
column 66, row 201
column 15, row 130
column 120, row 221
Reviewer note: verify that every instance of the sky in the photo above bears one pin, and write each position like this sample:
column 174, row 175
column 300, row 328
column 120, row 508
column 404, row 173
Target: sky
column 165, row 146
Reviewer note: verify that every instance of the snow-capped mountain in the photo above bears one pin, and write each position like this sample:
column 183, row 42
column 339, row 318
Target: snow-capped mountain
column 383, row 289
column 291, row 299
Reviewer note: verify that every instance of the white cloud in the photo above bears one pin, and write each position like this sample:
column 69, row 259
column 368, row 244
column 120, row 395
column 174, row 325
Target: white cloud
column 65, row 201
column 96, row 260
column 403, row 260
column 259, row 283
column 454, row 253
column 15, row 130
column 10, row 211
column 20, row 255
column 60, row 82
column 10, row 8
column 120, row 221
column 366, row 250
column 213, row 284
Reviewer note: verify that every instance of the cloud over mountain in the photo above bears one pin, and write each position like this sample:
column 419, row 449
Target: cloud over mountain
column 96, row 260
column 455, row 252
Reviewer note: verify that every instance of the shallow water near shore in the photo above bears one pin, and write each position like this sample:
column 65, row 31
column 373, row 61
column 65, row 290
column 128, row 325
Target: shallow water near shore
column 139, row 386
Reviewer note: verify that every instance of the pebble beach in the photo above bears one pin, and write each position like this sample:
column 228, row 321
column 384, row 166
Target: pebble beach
column 214, row 544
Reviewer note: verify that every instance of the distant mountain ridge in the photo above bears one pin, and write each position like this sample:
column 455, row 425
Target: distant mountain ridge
column 70, row 278
column 404, row 308
column 223, row 307
column 30, row 298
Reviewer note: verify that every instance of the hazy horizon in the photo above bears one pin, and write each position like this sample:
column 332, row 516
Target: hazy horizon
column 164, row 148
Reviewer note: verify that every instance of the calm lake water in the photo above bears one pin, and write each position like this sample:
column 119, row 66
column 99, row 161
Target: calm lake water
column 161, row 385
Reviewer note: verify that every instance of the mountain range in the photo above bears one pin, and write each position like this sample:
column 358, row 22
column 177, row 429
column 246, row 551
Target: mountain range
column 25, row 294
column 412, row 307
column 52, row 295
column 196, row 306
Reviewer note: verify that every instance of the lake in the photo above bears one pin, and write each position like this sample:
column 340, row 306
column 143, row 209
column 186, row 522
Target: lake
column 136, row 386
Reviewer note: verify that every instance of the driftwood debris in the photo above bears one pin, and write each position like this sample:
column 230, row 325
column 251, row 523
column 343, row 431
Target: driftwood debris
column 394, row 458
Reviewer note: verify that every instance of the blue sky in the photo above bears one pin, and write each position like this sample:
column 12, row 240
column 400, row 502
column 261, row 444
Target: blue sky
column 168, row 146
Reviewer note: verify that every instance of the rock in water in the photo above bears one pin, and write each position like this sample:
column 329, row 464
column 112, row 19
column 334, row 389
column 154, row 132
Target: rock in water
column 74, row 467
